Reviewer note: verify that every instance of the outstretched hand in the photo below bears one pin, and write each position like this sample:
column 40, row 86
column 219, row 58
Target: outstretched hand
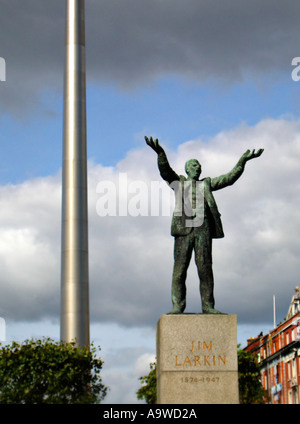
column 248, row 155
column 154, row 144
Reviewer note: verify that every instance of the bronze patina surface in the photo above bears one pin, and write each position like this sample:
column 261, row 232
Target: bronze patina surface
column 196, row 221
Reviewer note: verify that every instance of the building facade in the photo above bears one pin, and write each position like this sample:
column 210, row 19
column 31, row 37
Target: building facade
column 279, row 357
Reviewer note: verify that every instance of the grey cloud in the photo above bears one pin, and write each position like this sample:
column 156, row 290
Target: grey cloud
column 130, row 43
column 29, row 249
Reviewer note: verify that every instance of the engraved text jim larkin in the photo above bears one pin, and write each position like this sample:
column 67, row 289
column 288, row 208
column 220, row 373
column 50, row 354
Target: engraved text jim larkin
column 207, row 359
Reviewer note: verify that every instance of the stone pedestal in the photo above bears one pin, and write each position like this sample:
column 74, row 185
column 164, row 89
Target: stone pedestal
column 197, row 359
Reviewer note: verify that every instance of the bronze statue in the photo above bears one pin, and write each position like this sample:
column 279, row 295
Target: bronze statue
column 205, row 215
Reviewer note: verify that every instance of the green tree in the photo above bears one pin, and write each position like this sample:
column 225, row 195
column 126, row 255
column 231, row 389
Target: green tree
column 250, row 388
column 148, row 390
column 44, row 371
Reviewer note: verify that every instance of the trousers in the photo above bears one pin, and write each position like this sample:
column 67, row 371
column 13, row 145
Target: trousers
column 198, row 240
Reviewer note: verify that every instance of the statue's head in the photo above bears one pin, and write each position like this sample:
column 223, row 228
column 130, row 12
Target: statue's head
column 193, row 169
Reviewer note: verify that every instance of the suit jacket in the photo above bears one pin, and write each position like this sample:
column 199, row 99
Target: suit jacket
column 176, row 182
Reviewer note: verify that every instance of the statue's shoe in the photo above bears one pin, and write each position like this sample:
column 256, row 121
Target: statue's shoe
column 212, row 311
column 175, row 311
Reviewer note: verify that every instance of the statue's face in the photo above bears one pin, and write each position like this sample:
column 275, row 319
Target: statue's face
column 193, row 169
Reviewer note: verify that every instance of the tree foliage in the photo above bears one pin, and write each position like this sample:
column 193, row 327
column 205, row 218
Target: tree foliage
column 147, row 391
column 250, row 388
column 44, row 371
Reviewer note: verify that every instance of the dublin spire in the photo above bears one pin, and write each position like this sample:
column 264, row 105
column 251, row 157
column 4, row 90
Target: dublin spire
column 74, row 241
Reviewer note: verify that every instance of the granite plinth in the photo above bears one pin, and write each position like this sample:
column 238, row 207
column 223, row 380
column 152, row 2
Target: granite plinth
column 197, row 359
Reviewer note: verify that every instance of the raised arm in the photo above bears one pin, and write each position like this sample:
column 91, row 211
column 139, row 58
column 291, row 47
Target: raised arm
column 166, row 172
column 231, row 177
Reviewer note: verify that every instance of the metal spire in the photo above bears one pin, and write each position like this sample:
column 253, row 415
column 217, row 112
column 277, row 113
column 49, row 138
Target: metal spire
column 74, row 241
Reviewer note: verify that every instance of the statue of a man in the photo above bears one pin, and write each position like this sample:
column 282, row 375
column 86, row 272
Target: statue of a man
column 194, row 203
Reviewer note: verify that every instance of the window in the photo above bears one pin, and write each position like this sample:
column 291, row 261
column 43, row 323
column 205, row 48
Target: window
column 280, row 340
column 293, row 365
column 289, row 370
column 278, row 379
column 265, row 381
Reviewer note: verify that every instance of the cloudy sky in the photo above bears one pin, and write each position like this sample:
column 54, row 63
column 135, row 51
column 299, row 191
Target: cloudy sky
column 210, row 79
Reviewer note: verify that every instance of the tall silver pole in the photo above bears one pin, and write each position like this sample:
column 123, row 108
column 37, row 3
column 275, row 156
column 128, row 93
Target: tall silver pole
column 274, row 311
column 74, row 243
